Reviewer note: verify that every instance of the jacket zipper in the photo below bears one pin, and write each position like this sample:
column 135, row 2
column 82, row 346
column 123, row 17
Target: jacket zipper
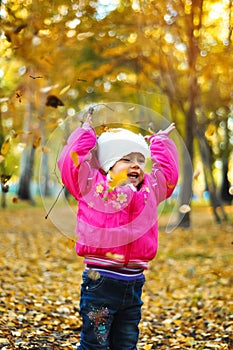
column 128, row 246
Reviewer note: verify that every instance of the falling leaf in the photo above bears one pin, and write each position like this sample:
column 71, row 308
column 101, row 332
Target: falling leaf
column 94, row 275
column 5, row 178
column 45, row 149
column 114, row 256
column 86, row 35
column 42, row 118
column 184, row 208
column 36, row 142
column 74, row 157
column 196, row 174
column 118, row 179
column 17, row 29
column 15, row 200
column 14, row 133
column 5, row 147
column 5, row 188
column 8, row 36
column 66, row 88
column 54, row 101
column 71, row 243
column 52, row 125
column 47, row 59
column 19, row 94
column 140, row 121
column 35, row 77
column 210, row 130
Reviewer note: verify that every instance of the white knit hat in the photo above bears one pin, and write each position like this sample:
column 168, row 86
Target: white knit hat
column 117, row 143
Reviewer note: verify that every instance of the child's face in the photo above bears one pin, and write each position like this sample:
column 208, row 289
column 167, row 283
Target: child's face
column 134, row 163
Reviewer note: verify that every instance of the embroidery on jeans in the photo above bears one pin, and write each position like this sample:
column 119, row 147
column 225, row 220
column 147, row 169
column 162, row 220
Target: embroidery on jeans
column 100, row 320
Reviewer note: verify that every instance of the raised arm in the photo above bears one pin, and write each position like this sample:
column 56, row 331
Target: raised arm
column 165, row 162
column 75, row 159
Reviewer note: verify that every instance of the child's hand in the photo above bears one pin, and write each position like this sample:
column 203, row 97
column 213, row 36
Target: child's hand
column 88, row 120
column 167, row 130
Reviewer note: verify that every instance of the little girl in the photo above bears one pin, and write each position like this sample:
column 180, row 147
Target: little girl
column 117, row 226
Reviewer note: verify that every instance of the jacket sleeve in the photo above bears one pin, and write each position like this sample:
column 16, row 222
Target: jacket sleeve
column 165, row 168
column 76, row 158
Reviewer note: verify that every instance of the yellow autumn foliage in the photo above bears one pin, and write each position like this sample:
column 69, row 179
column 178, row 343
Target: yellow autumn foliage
column 5, row 146
column 118, row 179
column 188, row 286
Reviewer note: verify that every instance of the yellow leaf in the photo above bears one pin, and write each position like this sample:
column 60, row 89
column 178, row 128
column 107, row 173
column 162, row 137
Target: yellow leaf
column 16, row 333
column 39, row 317
column 14, row 133
column 5, row 147
column 4, row 340
column 52, row 125
column 177, row 322
column 118, row 179
column 44, row 149
column 70, row 243
column 64, row 90
column 148, row 347
column 74, row 157
column 15, row 200
column 19, row 94
column 51, row 339
column 114, row 256
column 184, row 208
column 94, row 275
column 36, row 142
column 210, row 130
column 42, row 118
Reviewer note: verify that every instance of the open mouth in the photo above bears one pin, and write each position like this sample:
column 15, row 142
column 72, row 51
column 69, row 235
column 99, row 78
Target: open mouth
column 133, row 176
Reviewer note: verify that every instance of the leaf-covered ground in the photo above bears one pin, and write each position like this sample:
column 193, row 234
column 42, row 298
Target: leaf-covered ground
column 188, row 296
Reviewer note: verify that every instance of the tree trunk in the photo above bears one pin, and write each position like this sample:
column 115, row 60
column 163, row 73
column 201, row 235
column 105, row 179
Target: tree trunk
column 3, row 200
column 2, row 167
column 186, row 191
column 186, row 186
column 44, row 167
column 225, row 186
column 193, row 97
column 24, row 191
column 207, row 163
column 45, row 188
column 27, row 161
column 225, row 194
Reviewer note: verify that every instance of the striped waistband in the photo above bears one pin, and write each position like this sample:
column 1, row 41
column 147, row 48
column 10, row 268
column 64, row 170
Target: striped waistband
column 118, row 273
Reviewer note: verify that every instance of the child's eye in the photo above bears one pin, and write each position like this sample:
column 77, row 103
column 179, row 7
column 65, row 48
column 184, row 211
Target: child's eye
column 126, row 159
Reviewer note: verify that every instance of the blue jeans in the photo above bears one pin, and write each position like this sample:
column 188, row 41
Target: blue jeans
column 111, row 312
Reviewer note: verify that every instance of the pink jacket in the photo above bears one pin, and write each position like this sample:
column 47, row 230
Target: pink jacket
column 116, row 227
